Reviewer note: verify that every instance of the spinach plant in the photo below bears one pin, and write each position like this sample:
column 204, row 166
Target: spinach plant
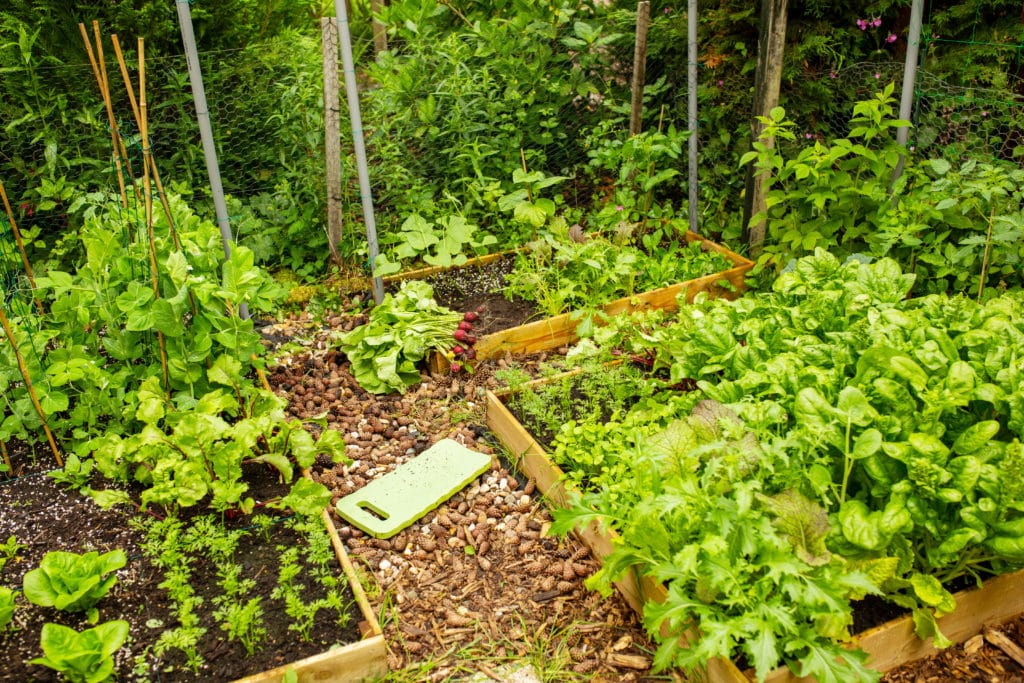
column 890, row 426
column 82, row 657
column 73, row 582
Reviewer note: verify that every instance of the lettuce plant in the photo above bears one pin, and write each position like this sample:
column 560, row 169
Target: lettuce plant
column 6, row 606
column 86, row 657
column 73, row 582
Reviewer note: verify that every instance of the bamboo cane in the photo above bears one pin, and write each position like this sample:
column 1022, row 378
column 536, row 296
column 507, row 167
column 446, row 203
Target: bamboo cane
column 115, row 137
column 147, row 192
column 152, row 159
column 21, row 247
column 31, row 390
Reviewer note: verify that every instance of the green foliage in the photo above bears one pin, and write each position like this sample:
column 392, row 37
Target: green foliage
column 82, row 657
column 641, row 165
column 855, row 441
column 73, row 582
column 443, row 243
column 958, row 228
column 562, row 274
column 401, row 330
column 7, row 596
column 460, row 102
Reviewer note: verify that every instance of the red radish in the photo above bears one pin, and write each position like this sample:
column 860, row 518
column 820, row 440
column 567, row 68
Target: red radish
column 467, row 326
column 471, row 354
column 480, row 309
column 470, row 317
column 461, row 335
column 470, row 339
column 456, row 367
column 458, row 350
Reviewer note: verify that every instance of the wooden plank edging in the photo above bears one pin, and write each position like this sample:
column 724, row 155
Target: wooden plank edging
column 888, row 645
column 356, row 662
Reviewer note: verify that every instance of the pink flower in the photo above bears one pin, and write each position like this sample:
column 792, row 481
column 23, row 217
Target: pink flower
column 983, row 113
column 862, row 24
column 891, row 38
column 831, row 74
column 720, row 82
column 878, row 75
column 876, row 22
column 666, row 10
column 619, row 207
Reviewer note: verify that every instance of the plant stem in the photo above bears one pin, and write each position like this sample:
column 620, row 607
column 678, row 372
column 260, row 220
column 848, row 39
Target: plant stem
column 984, row 260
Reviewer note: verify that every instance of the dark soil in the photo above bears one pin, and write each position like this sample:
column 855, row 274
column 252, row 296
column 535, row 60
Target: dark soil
column 45, row 517
column 481, row 288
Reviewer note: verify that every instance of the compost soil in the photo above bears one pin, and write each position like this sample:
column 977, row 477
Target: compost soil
column 480, row 288
column 44, row 517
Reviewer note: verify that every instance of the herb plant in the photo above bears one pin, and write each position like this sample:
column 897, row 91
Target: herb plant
column 73, row 582
column 82, row 657
column 562, row 274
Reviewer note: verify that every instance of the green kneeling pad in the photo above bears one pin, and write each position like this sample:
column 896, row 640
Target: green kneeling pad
column 387, row 505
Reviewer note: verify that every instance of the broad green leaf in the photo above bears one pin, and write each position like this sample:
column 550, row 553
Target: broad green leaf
column 867, row 444
column 530, row 213
column 166, row 318
column 226, row 370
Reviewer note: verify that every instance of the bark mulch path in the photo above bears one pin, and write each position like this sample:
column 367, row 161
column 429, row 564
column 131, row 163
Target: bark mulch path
column 477, row 581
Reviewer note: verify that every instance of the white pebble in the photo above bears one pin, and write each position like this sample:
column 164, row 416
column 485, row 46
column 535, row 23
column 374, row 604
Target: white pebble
column 385, row 565
column 503, row 484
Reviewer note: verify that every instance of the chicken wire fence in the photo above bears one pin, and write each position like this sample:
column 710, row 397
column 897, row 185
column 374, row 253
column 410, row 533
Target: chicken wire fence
column 464, row 128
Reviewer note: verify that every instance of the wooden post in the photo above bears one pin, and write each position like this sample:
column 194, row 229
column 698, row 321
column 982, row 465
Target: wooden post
column 380, row 34
column 332, row 133
column 643, row 19
column 768, row 79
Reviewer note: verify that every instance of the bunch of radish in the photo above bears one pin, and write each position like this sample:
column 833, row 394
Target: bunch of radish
column 464, row 351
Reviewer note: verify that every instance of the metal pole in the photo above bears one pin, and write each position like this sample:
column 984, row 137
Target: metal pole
column 195, row 77
column 909, row 74
column 691, row 105
column 352, row 93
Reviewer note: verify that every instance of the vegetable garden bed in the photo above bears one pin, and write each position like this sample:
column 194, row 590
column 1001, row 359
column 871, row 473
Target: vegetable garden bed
column 142, row 599
column 557, row 331
column 781, row 457
column 888, row 646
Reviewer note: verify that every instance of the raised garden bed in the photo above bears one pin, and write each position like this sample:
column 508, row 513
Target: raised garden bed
column 507, row 326
column 889, row 645
column 43, row 517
